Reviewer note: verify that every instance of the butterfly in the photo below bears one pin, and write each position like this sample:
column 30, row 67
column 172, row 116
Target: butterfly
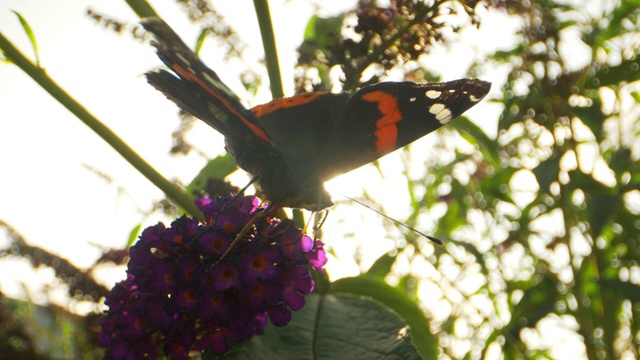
column 292, row 146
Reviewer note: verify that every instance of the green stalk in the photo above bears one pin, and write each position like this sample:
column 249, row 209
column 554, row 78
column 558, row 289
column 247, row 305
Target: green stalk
column 269, row 45
column 142, row 8
column 271, row 59
column 40, row 76
column 273, row 65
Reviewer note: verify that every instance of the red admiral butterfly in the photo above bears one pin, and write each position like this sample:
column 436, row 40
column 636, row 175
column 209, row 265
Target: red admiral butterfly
column 293, row 145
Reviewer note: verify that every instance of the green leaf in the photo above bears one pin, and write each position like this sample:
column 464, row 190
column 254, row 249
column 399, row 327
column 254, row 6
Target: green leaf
column 620, row 161
column 217, row 168
column 474, row 135
column 333, row 326
column 592, row 117
column 513, row 112
column 133, row 235
column 382, row 266
column 602, row 208
column 473, row 250
column 627, row 72
column 375, row 287
column 32, row 37
column 319, row 35
column 624, row 9
column 324, row 31
column 535, row 304
column 627, row 290
column 547, row 172
column 200, row 41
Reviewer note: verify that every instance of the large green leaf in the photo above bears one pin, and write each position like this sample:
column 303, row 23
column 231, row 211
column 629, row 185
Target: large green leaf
column 333, row 326
column 382, row 266
column 375, row 287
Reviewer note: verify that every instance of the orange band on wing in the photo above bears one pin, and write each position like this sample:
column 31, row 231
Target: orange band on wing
column 386, row 128
column 192, row 77
column 265, row 109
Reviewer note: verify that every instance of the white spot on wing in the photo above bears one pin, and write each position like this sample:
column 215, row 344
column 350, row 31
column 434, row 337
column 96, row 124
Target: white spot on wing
column 442, row 113
column 433, row 94
column 473, row 98
column 182, row 58
column 185, row 62
column 209, row 79
column 217, row 84
column 412, row 99
column 436, row 108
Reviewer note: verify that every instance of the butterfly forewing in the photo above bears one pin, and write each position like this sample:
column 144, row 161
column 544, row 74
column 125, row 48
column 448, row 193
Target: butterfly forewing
column 196, row 88
column 381, row 118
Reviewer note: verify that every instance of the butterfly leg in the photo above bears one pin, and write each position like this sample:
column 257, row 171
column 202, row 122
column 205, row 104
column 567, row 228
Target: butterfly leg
column 245, row 230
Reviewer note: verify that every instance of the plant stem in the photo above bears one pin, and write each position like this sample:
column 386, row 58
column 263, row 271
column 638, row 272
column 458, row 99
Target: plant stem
column 269, row 45
column 40, row 76
column 142, row 8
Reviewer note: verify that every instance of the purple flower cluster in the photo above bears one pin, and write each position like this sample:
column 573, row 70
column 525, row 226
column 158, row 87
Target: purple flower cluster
column 179, row 297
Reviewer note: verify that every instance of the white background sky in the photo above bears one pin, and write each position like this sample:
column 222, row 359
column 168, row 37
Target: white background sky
column 47, row 194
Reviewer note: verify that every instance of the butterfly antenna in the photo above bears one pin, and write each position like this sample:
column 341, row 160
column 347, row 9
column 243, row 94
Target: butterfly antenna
column 245, row 230
column 434, row 240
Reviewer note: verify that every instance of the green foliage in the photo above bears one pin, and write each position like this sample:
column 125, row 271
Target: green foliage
column 375, row 288
column 217, row 168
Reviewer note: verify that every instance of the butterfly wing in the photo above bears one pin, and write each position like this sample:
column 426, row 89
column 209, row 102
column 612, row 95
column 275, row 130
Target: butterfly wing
column 322, row 135
column 301, row 126
column 198, row 89
column 381, row 118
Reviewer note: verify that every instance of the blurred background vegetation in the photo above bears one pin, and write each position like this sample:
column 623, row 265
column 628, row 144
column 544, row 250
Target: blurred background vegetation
column 539, row 217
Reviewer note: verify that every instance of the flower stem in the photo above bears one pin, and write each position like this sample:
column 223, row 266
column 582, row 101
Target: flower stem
column 269, row 45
